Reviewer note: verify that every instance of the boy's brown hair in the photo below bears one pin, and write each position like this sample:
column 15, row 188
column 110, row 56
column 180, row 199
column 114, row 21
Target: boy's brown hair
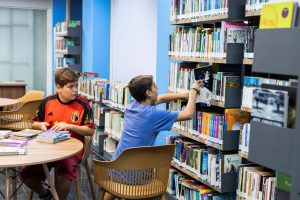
column 139, row 85
column 65, row 76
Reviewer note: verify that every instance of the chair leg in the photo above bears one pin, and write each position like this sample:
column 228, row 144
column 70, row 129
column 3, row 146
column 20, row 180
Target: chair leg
column 30, row 195
column 87, row 168
column 78, row 193
column 163, row 197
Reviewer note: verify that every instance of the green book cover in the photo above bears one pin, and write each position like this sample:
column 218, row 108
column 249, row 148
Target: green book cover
column 283, row 182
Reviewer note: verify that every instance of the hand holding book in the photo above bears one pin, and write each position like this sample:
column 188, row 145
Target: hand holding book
column 61, row 126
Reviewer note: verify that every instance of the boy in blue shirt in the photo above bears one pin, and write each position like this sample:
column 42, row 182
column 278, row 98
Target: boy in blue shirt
column 143, row 121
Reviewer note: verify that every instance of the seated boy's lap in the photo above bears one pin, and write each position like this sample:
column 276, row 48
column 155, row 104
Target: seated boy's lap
column 66, row 168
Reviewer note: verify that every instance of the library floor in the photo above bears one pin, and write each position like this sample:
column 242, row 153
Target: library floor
column 85, row 189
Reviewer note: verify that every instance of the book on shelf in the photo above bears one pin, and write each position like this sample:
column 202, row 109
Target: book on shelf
column 250, row 83
column 63, row 26
column 249, row 42
column 234, row 119
column 231, row 162
column 27, row 133
column 256, row 182
column 270, row 107
column 53, row 137
column 204, row 74
column 278, row 15
column 255, row 5
column 244, row 138
column 283, row 182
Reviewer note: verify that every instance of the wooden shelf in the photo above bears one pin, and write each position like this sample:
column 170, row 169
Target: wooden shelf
column 194, row 176
column 209, row 60
column 188, row 135
column 246, row 109
column 248, row 61
column 243, row 155
column 199, row 20
column 253, row 13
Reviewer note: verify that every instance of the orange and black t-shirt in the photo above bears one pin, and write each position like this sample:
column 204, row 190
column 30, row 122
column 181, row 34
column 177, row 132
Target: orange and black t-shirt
column 78, row 112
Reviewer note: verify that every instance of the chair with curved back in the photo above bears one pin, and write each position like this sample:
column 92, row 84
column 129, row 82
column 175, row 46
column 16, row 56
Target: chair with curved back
column 20, row 118
column 138, row 173
column 31, row 95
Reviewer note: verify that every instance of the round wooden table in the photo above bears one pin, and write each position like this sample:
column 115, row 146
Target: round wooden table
column 7, row 102
column 40, row 153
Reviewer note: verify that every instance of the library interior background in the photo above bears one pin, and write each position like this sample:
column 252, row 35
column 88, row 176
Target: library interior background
column 222, row 124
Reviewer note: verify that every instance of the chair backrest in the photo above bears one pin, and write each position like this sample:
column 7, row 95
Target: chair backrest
column 20, row 118
column 32, row 96
column 137, row 173
column 87, row 147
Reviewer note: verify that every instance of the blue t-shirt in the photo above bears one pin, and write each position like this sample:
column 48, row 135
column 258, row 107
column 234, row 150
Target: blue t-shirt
column 142, row 124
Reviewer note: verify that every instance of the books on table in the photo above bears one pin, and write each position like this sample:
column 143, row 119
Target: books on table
column 27, row 133
column 5, row 134
column 53, row 137
column 13, row 146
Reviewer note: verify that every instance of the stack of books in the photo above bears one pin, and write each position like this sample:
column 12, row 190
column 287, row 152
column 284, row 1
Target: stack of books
column 53, row 137
column 13, row 146
column 5, row 134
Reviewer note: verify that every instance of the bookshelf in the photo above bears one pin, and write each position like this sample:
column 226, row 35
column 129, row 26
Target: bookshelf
column 232, row 98
column 68, row 45
column 277, row 147
column 256, row 13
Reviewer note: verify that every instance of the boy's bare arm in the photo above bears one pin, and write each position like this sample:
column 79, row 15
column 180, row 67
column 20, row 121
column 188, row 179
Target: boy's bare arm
column 165, row 98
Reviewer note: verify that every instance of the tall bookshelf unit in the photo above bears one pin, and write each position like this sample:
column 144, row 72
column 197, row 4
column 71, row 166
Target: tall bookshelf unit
column 276, row 148
column 73, row 52
column 234, row 57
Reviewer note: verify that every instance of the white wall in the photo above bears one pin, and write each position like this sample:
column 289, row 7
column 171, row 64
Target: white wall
column 133, row 39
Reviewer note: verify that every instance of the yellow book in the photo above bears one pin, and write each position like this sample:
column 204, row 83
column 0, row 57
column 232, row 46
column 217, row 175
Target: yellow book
column 277, row 15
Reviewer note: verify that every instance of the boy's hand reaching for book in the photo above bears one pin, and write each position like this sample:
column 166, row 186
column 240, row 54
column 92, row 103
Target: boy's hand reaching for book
column 61, row 126
column 43, row 126
column 197, row 85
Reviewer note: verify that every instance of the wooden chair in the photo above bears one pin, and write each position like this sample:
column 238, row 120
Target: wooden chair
column 20, row 118
column 84, row 162
column 138, row 173
column 31, row 95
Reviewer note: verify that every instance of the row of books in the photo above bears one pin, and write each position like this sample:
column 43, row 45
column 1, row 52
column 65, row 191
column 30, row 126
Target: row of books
column 210, row 123
column 104, row 91
column 182, row 75
column 207, row 163
column 63, row 62
column 183, row 187
column 114, row 123
column 205, row 42
column 254, row 5
column 63, row 26
column 190, row 9
column 63, row 44
column 255, row 182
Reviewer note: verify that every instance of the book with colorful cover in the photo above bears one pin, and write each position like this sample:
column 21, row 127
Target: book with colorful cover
column 234, row 119
column 53, row 137
column 231, row 162
column 278, row 15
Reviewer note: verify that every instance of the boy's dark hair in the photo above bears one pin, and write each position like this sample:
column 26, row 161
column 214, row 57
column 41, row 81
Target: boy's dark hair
column 64, row 76
column 139, row 85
